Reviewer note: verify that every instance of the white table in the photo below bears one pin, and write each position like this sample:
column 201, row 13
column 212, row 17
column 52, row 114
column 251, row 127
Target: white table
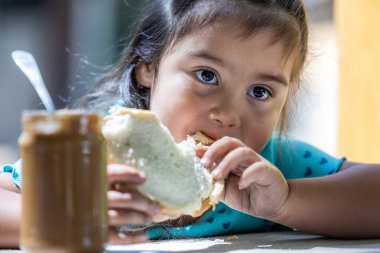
column 277, row 242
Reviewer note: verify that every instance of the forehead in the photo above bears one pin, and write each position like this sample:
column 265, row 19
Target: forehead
column 259, row 50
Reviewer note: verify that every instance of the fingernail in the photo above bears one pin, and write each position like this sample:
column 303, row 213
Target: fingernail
column 142, row 174
column 242, row 186
column 112, row 213
column 205, row 161
column 142, row 237
column 122, row 235
column 126, row 196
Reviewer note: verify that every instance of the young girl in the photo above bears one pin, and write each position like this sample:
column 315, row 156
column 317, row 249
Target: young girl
column 230, row 69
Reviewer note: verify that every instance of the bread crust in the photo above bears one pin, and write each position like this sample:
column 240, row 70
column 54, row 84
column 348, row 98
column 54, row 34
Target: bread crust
column 115, row 154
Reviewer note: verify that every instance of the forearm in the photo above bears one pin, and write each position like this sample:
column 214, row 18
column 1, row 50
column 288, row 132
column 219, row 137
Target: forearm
column 10, row 214
column 345, row 204
column 6, row 183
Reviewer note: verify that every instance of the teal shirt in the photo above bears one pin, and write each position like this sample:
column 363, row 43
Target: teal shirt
column 294, row 158
column 15, row 170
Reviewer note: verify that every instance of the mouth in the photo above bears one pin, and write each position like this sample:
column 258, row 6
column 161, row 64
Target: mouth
column 204, row 137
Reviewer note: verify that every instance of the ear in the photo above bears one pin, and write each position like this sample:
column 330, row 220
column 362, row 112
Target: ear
column 144, row 74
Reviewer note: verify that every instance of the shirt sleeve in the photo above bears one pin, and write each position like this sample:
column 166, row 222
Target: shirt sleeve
column 297, row 159
column 15, row 169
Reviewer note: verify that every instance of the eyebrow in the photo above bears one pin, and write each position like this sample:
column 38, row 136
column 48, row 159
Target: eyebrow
column 207, row 56
column 262, row 76
column 273, row 78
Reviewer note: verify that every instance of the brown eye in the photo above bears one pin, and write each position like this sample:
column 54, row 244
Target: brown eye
column 206, row 76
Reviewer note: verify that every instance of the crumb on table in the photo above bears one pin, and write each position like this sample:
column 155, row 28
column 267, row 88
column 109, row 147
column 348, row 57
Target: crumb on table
column 232, row 238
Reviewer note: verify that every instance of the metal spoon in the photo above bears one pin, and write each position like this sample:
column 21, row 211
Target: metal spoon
column 28, row 65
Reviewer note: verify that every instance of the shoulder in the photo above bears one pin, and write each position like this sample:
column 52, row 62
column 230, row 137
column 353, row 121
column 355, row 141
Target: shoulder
column 15, row 170
column 296, row 158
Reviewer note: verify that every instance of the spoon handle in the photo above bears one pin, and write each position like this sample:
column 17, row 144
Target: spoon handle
column 28, row 65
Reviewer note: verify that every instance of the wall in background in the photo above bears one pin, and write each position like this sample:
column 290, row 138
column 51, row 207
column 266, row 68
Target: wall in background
column 39, row 26
column 314, row 116
column 359, row 86
column 72, row 42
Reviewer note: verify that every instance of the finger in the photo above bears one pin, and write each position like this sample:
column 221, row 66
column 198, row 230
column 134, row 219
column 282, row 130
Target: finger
column 219, row 149
column 122, row 239
column 132, row 200
column 236, row 161
column 261, row 173
column 200, row 150
column 123, row 173
column 117, row 217
column 122, row 187
column 232, row 195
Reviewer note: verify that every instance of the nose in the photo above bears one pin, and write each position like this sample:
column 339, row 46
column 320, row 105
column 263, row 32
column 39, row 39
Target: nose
column 225, row 116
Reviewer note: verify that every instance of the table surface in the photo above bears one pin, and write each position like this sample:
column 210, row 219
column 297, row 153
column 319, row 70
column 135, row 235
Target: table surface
column 278, row 242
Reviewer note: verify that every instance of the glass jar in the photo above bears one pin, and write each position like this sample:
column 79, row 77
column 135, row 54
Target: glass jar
column 64, row 184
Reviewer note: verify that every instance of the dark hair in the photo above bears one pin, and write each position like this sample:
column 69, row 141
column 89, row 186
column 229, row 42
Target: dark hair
column 165, row 22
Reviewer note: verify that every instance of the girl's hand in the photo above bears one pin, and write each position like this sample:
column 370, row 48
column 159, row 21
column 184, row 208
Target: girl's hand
column 127, row 206
column 253, row 184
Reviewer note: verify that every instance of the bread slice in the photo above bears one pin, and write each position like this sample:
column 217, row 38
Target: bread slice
column 201, row 139
column 175, row 177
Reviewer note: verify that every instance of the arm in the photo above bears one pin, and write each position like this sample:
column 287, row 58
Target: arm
column 345, row 204
column 10, row 213
column 6, row 183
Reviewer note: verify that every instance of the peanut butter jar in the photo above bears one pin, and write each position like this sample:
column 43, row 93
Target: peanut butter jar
column 64, row 184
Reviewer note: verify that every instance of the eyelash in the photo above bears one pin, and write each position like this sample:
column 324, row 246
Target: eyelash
column 268, row 91
column 199, row 72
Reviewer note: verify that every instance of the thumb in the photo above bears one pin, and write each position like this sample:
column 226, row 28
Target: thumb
column 200, row 150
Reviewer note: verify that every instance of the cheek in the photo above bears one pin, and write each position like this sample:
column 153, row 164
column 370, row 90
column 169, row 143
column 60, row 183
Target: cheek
column 171, row 99
column 261, row 126
column 173, row 93
column 175, row 108
column 257, row 136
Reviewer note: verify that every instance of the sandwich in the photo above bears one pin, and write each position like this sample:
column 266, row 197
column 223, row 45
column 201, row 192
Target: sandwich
column 175, row 178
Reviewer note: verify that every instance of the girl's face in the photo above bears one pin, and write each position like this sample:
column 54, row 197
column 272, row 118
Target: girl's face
column 221, row 84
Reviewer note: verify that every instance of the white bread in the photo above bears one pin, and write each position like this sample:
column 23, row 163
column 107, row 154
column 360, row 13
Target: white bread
column 175, row 177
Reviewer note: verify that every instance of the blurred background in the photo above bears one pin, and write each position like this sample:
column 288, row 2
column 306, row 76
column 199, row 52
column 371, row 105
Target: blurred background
column 338, row 108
